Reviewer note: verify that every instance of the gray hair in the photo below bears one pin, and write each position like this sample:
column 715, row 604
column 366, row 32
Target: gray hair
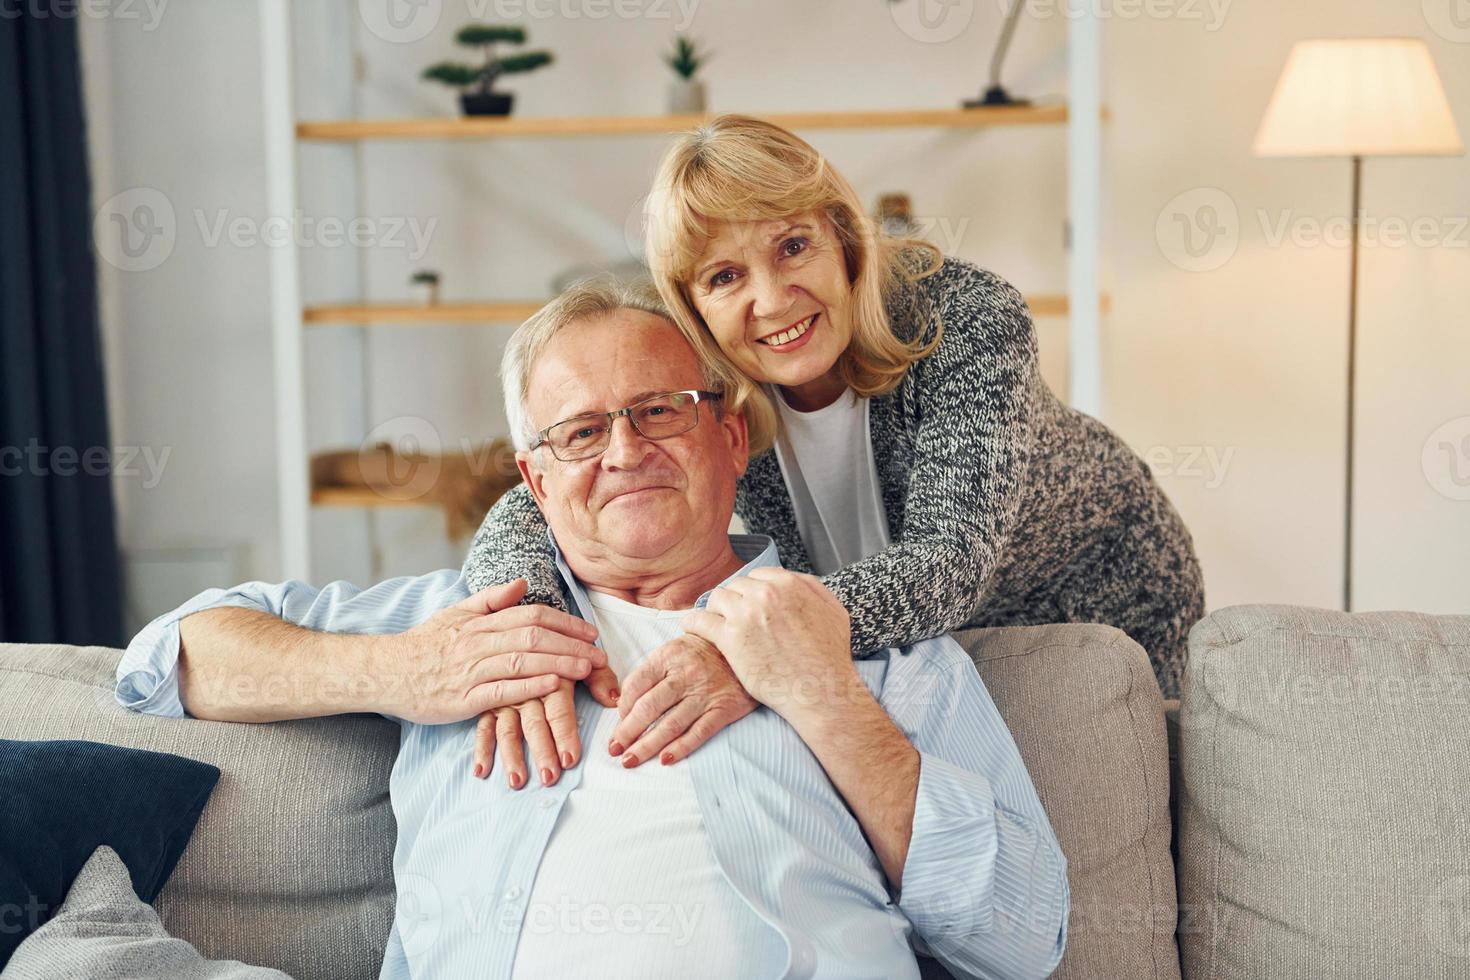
column 592, row 296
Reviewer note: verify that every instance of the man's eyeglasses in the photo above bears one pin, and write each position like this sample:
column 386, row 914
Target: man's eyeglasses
column 659, row 417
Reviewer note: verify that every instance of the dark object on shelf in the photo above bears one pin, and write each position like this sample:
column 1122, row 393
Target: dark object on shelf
column 996, row 95
column 895, row 215
column 482, row 100
column 486, row 103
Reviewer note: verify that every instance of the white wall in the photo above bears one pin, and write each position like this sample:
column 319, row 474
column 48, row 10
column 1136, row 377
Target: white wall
column 1244, row 360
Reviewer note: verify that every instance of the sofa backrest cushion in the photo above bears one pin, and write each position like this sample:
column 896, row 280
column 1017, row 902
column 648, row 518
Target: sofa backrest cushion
column 1324, row 805
column 291, row 865
column 1086, row 713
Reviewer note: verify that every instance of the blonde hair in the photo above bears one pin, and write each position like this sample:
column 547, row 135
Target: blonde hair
column 598, row 296
column 738, row 168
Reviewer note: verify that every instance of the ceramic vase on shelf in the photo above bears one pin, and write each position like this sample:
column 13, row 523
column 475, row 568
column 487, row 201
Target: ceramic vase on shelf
column 425, row 293
column 686, row 96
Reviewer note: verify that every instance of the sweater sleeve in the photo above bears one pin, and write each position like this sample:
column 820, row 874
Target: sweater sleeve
column 512, row 543
column 973, row 443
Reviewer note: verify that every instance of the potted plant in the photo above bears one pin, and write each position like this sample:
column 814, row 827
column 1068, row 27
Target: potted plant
column 425, row 286
column 482, row 100
column 686, row 93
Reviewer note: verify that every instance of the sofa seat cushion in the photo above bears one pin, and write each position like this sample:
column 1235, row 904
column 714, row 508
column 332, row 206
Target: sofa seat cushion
column 1325, row 775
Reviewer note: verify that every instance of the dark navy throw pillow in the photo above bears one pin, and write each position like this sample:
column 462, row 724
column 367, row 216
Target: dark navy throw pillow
column 59, row 801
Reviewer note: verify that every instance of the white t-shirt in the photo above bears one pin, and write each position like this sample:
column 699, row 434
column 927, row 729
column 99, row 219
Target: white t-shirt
column 629, row 885
column 827, row 459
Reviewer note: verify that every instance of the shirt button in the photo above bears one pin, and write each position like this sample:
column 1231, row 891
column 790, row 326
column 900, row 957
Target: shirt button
column 548, row 803
column 513, row 893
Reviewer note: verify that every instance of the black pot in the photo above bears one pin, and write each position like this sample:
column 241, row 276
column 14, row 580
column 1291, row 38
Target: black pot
column 486, row 103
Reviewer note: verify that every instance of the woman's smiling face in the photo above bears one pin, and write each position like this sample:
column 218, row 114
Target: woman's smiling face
column 775, row 295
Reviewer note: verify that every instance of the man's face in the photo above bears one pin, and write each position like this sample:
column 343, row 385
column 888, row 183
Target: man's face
column 643, row 505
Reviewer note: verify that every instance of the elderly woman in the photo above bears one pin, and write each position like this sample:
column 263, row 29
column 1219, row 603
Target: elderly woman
column 922, row 467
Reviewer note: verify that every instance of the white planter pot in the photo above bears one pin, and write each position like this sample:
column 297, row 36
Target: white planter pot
column 425, row 293
column 686, row 96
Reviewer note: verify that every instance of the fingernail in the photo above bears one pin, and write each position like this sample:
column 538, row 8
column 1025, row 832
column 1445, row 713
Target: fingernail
column 614, row 748
column 545, row 777
column 515, row 780
column 629, row 761
column 614, row 693
column 566, row 760
column 667, row 758
column 479, row 770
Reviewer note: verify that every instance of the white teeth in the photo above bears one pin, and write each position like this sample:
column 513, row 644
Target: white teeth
column 787, row 336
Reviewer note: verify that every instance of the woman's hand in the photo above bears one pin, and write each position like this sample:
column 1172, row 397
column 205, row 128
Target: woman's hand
column 676, row 700
column 547, row 724
column 787, row 639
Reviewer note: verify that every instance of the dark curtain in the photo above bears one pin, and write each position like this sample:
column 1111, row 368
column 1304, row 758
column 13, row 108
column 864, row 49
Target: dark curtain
column 59, row 565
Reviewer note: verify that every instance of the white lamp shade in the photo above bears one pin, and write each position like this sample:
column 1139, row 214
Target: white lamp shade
column 1359, row 97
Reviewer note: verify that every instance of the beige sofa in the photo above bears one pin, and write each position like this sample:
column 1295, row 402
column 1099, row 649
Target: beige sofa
column 1315, row 823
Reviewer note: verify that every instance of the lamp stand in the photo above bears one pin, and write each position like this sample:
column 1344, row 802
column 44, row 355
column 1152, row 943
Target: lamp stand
column 1352, row 364
column 996, row 94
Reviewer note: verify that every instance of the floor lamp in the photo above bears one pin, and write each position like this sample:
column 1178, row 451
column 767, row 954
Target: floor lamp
column 1357, row 98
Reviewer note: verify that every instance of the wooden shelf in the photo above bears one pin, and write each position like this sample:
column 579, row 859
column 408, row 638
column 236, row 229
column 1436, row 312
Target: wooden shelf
column 411, row 314
column 361, row 497
column 442, row 314
column 489, row 127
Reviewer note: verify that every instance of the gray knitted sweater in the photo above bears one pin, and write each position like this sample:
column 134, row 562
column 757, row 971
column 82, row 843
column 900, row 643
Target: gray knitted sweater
column 1004, row 506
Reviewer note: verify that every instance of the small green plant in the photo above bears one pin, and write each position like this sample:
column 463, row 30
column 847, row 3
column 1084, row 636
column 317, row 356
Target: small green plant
column 486, row 36
column 686, row 58
column 426, row 276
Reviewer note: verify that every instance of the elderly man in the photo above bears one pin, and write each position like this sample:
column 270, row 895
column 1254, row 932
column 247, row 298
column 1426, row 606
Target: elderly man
column 867, row 808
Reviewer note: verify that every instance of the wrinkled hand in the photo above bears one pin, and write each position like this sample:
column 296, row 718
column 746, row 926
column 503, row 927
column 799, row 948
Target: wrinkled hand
column 548, row 725
column 785, row 636
column 676, row 700
column 483, row 653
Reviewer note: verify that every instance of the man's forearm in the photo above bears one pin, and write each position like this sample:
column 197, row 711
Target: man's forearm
column 874, row 767
column 247, row 665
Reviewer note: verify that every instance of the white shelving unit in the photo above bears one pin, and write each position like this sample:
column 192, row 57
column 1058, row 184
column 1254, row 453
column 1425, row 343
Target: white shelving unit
column 1083, row 302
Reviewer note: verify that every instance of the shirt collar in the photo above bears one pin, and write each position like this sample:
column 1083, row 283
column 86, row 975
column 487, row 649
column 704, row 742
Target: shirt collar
column 756, row 550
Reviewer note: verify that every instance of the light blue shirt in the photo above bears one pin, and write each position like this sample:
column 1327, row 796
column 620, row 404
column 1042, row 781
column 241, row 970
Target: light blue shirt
column 984, row 884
